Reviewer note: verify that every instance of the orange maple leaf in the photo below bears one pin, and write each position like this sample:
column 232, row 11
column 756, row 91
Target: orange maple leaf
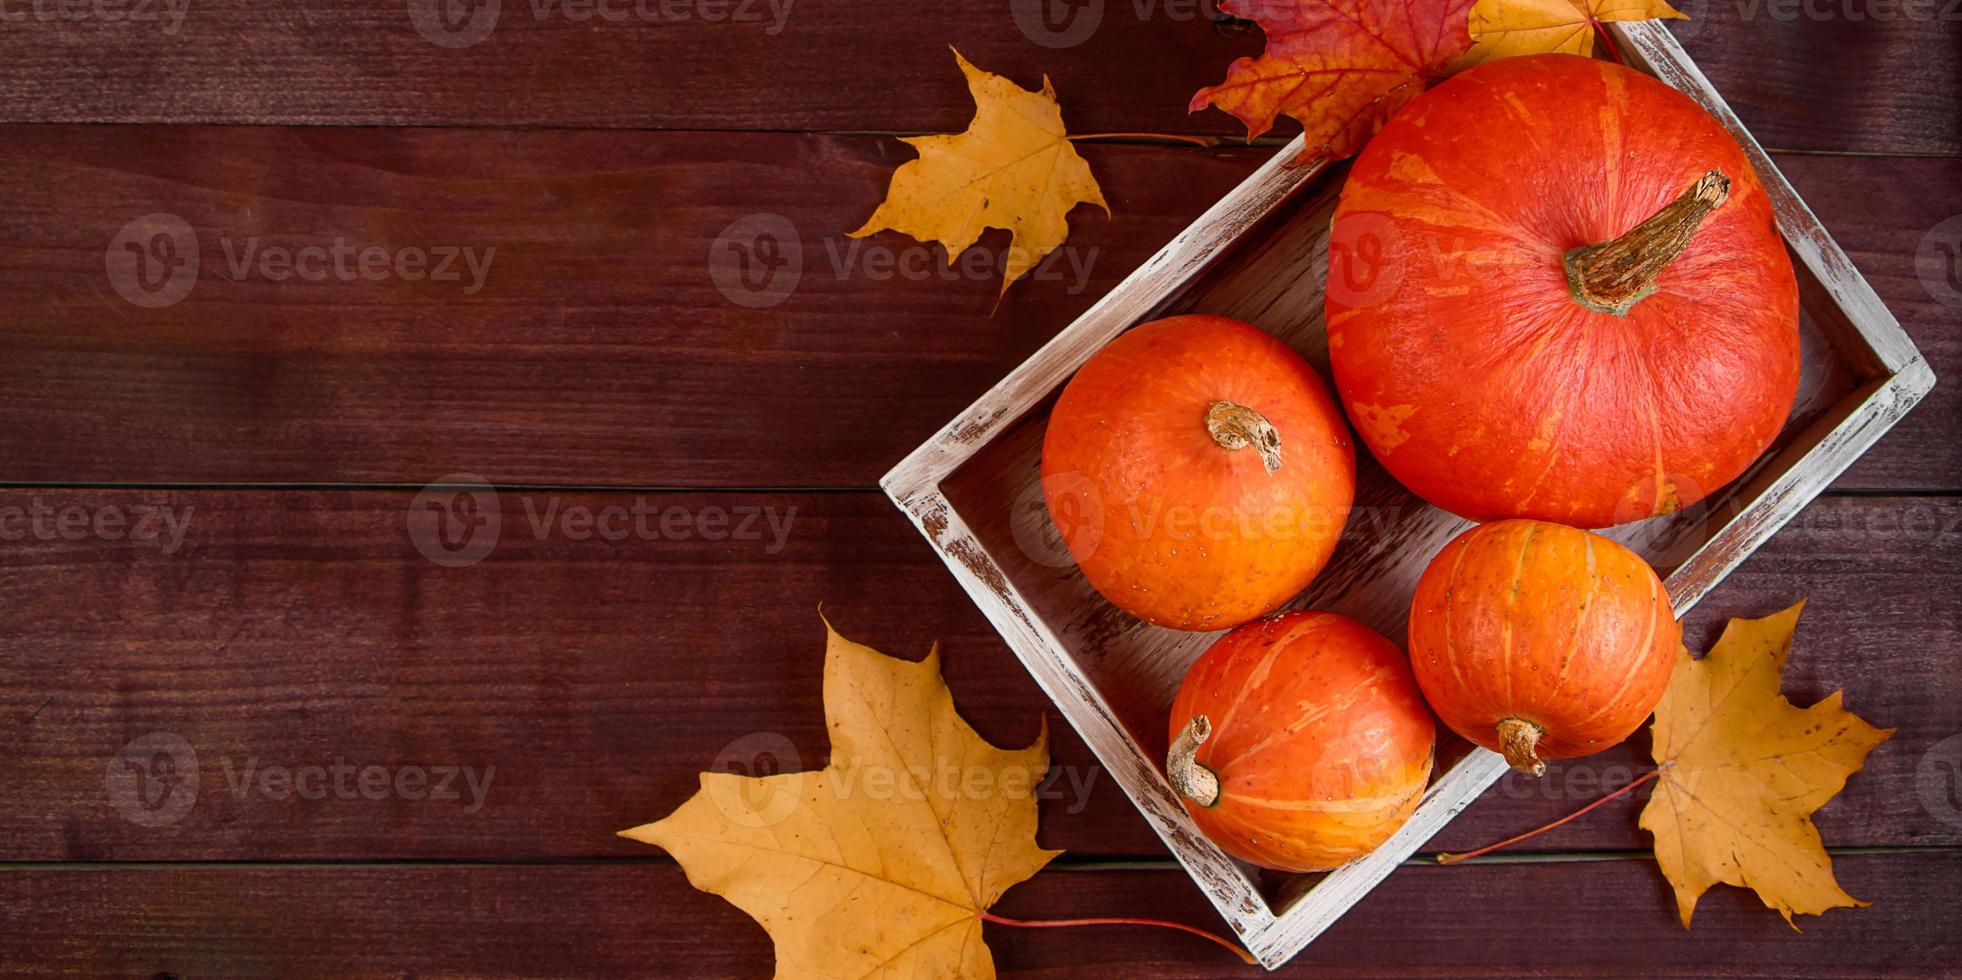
column 1341, row 67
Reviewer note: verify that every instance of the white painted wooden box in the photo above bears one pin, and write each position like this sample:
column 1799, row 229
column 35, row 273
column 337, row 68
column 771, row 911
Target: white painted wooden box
column 1261, row 255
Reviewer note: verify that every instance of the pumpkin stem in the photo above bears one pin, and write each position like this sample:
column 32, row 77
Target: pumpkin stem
column 1237, row 427
column 1517, row 739
column 1190, row 779
column 1613, row 276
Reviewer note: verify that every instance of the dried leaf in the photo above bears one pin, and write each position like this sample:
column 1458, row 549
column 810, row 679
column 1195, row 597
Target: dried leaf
column 1341, row 67
column 881, row 863
column 1013, row 168
column 1507, row 28
column 1743, row 770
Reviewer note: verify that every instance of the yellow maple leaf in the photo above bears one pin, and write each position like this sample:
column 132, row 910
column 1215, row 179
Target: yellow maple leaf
column 882, row 863
column 1506, row 28
column 1743, row 770
column 1013, row 168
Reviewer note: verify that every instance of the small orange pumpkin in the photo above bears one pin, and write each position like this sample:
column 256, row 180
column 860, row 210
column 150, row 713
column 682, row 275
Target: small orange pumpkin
column 1540, row 640
column 1199, row 472
column 1300, row 742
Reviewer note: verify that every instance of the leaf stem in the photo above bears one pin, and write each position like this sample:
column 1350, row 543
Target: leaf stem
column 1206, row 141
column 1508, row 842
column 1608, row 41
column 1245, row 957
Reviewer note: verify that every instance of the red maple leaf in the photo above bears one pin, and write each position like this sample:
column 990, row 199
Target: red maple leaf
column 1341, row 67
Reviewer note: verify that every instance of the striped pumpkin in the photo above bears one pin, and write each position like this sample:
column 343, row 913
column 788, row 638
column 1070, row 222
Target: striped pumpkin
column 1541, row 641
column 1300, row 742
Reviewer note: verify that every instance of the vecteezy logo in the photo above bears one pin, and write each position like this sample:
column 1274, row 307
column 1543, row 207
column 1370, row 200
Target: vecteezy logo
column 1365, row 259
column 1057, row 23
column 454, row 23
column 755, row 801
column 1938, row 781
column 757, row 260
column 1681, row 510
column 1695, row 14
column 153, row 261
column 454, row 521
column 153, row 781
column 1054, row 537
column 1939, row 262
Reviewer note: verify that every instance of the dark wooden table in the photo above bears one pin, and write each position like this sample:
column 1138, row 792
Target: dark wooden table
column 413, row 766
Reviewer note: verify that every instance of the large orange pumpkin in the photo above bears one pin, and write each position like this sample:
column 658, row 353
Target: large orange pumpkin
column 1557, row 291
column 1300, row 742
column 1198, row 471
column 1540, row 640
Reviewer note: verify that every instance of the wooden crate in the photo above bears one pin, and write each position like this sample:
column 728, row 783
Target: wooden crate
column 1261, row 254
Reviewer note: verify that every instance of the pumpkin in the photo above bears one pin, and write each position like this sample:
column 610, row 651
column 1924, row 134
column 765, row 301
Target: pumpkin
column 1199, row 472
column 1557, row 291
column 1541, row 641
column 1300, row 742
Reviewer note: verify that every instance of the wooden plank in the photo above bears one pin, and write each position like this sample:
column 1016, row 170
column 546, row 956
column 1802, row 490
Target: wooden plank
column 1908, row 245
column 764, row 65
column 298, row 629
column 1785, row 69
column 599, row 348
column 1607, row 918
column 586, row 682
column 559, row 370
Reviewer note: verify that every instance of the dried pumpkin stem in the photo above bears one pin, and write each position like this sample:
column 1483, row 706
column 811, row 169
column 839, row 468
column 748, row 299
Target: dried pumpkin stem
column 1614, row 276
column 1517, row 740
column 1190, row 779
column 1237, row 427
